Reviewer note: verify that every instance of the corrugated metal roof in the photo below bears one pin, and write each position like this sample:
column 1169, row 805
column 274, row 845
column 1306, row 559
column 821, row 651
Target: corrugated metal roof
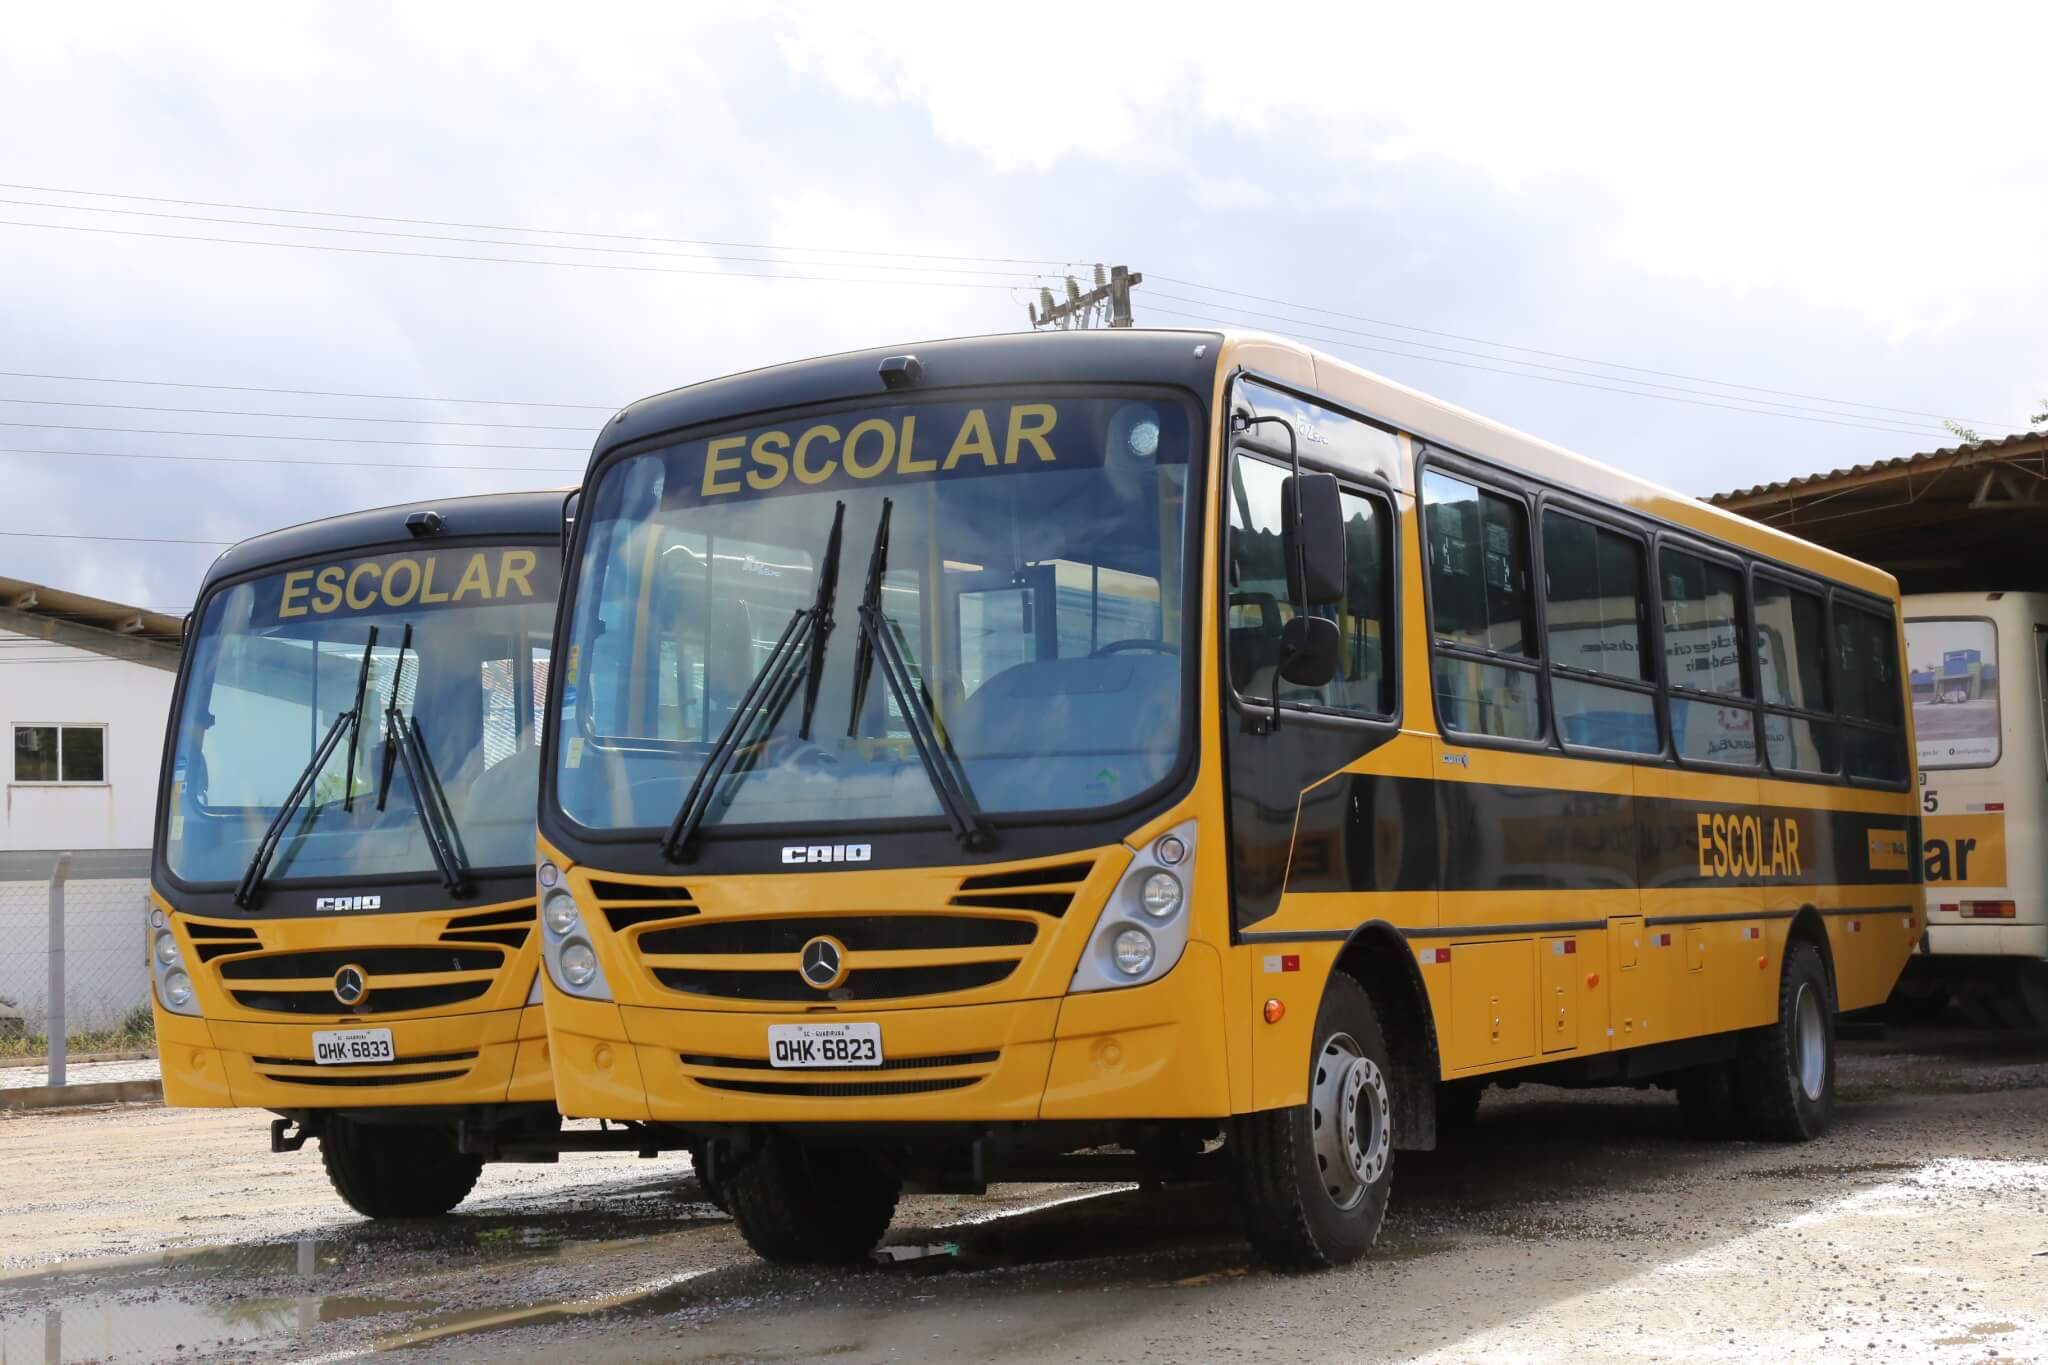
column 2017, row 444
column 113, row 629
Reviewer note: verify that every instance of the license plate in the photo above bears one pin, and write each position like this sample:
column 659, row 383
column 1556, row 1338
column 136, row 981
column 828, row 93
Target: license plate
column 824, row 1045
column 353, row 1046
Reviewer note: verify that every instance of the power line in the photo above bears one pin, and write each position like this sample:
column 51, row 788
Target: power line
column 495, row 241
column 127, row 540
column 551, row 232
column 300, row 416
column 506, row 260
column 1536, row 365
column 308, row 393
column 268, row 436
column 1562, row 355
column 1342, row 344
column 318, row 464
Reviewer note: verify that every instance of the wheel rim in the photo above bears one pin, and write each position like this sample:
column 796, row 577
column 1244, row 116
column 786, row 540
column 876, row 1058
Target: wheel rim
column 1351, row 1120
column 1810, row 1042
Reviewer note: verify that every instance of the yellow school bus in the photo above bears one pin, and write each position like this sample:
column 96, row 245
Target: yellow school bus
column 1157, row 754
column 341, row 910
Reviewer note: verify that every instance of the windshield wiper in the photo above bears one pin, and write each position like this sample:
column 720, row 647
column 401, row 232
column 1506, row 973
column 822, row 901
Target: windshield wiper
column 767, row 695
column 879, row 642
column 266, row 847
column 404, row 746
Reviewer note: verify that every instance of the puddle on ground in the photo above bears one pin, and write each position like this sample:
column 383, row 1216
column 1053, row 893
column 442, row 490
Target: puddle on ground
column 192, row 1301
column 146, row 1309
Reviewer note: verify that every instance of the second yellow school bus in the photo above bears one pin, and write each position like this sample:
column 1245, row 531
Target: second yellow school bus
column 1165, row 752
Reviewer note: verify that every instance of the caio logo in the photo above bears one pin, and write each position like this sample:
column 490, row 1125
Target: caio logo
column 330, row 903
column 827, row 853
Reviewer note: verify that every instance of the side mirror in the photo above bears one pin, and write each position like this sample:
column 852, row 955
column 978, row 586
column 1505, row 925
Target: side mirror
column 1309, row 646
column 1312, row 538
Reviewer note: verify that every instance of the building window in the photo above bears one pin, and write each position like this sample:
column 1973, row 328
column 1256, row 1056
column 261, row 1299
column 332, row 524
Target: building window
column 60, row 753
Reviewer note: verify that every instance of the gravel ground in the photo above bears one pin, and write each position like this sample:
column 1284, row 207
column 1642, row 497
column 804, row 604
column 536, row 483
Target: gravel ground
column 1581, row 1228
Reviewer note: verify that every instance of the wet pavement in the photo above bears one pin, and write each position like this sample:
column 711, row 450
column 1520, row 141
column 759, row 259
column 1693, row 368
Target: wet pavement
column 1568, row 1227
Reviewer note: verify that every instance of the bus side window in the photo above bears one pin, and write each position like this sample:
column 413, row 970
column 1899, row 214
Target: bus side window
column 1873, row 737
column 1602, row 683
column 1791, row 659
column 1703, row 656
column 1485, row 668
column 1259, row 606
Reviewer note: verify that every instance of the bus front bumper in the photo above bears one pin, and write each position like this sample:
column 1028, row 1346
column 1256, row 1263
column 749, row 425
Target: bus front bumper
column 490, row 1057
column 1149, row 1052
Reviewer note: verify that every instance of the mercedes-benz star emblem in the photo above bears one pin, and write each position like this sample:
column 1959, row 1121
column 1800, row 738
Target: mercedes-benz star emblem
column 350, row 986
column 824, row 963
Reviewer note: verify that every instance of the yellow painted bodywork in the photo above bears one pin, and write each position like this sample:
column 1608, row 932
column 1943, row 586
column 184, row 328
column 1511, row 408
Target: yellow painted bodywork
column 1197, row 1044
column 232, row 1056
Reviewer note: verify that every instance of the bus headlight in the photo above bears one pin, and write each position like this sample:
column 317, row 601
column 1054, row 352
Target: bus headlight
column 1160, row 894
column 1133, row 951
column 177, row 989
column 174, row 988
column 566, row 948
column 559, row 912
column 1142, row 930
column 579, row 963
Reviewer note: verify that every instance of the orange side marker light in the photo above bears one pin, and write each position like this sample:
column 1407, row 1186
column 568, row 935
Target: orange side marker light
column 1276, row 1010
column 1592, row 980
column 1762, row 963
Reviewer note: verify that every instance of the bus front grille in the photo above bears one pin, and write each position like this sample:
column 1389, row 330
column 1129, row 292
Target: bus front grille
column 958, row 938
column 380, row 1000
column 870, row 983
column 462, row 962
column 759, row 1077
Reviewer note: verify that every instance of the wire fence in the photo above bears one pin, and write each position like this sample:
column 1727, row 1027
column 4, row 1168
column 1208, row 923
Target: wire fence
column 73, row 963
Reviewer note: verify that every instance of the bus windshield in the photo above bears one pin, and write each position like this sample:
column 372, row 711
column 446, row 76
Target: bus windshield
column 273, row 661
column 1032, row 587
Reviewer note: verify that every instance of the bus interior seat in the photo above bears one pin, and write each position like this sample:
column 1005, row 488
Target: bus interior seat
column 1120, row 703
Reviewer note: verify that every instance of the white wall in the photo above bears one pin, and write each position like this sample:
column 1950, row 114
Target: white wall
column 42, row 682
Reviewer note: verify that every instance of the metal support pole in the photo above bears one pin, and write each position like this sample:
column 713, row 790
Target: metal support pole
column 55, row 1027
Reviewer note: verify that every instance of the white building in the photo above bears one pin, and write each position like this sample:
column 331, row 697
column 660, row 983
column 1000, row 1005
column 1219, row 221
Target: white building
column 85, row 689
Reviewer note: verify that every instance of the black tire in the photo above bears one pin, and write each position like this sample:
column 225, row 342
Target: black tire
column 1457, row 1107
column 397, row 1170
column 1786, row 1072
column 1296, row 1216
column 798, row 1204
column 1709, row 1099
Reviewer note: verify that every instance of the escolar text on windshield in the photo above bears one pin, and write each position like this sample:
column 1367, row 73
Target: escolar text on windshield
column 983, row 438
column 386, row 582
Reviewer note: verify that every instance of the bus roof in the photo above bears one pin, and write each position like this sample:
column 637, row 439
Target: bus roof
column 537, row 513
column 1191, row 359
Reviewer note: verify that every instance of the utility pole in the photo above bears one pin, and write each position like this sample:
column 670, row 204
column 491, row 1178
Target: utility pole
column 1108, row 304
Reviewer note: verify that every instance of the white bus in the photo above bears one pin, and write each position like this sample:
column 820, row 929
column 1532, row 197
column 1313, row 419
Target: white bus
column 1980, row 688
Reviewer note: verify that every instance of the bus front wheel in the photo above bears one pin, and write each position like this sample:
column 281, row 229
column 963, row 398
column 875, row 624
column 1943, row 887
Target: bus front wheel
column 1315, row 1176
column 389, row 1170
column 799, row 1204
column 1786, row 1071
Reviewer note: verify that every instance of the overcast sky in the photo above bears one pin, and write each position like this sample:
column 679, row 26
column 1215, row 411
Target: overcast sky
column 1852, row 209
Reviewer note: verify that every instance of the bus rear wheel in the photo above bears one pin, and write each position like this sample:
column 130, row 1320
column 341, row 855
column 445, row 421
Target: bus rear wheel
column 396, row 1170
column 1315, row 1176
column 799, row 1204
column 1786, row 1071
